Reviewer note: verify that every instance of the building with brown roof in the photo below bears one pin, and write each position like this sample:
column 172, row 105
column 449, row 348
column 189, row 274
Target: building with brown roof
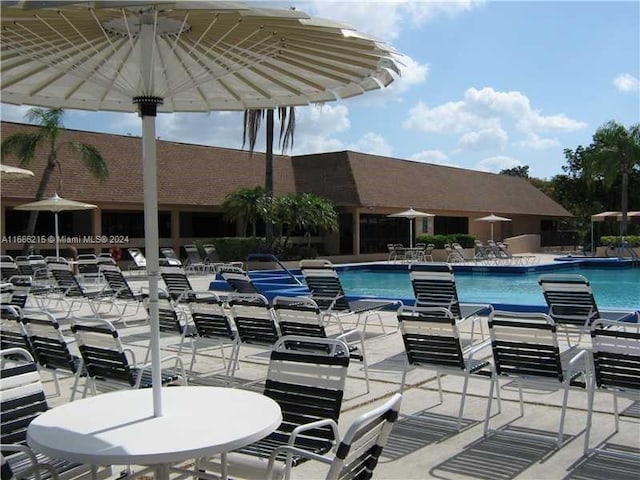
column 193, row 181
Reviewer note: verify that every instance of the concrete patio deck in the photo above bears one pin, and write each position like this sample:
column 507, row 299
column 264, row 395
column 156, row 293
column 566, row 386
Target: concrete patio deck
column 425, row 447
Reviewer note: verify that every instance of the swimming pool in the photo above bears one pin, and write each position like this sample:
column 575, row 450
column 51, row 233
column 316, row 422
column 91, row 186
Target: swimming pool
column 612, row 287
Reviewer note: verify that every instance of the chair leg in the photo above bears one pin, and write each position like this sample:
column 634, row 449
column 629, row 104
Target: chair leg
column 563, row 414
column 489, row 400
column 404, row 376
column 587, row 432
column 464, row 396
column 521, row 398
column 616, row 415
column 440, row 388
column 365, row 364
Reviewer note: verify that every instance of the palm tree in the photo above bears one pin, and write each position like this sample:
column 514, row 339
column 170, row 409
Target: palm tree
column 24, row 146
column 247, row 205
column 615, row 152
column 251, row 126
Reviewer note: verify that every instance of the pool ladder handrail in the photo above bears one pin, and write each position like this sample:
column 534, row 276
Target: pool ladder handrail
column 272, row 258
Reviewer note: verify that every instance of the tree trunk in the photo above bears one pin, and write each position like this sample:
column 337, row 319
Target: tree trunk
column 268, row 173
column 33, row 216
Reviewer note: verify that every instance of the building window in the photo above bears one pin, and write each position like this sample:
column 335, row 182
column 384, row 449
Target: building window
column 131, row 224
column 450, row 225
column 376, row 231
column 69, row 223
column 205, row 225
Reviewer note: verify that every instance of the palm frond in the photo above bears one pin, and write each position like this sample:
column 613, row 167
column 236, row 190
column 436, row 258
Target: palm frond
column 92, row 159
column 251, row 126
column 287, row 117
column 21, row 145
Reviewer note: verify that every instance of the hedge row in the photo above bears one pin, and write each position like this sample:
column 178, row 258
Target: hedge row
column 634, row 240
column 466, row 241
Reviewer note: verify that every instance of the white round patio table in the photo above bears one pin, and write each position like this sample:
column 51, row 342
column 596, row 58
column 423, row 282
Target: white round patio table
column 119, row 428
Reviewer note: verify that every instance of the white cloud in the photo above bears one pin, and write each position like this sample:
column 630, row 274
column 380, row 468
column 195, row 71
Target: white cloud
column 412, row 73
column 386, row 19
column 496, row 164
column 626, row 82
column 372, row 143
column 489, row 111
column 451, row 117
column 486, row 139
column 535, row 142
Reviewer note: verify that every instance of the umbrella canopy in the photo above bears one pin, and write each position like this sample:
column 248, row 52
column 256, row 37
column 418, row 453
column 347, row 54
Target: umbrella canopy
column 55, row 204
column 616, row 216
column 7, row 172
column 492, row 219
column 179, row 57
column 411, row 214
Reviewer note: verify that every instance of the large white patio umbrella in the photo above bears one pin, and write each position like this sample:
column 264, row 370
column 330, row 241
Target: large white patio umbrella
column 56, row 204
column 179, row 57
column 7, row 172
column 411, row 214
column 492, row 219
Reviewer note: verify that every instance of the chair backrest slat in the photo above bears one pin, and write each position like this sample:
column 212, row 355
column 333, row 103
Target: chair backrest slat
column 210, row 319
column 253, row 318
column 22, row 395
column 50, row 348
column 434, row 285
column 569, row 298
column 616, row 355
column 324, row 284
column 308, row 384
column 525, row 345
column 430, row 336
column 298, row 316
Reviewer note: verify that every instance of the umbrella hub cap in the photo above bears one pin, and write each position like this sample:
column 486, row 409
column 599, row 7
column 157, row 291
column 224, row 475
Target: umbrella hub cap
column 131, row 26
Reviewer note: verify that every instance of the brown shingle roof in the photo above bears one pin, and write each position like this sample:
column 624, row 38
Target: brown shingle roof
column 190, row 175
column 351, row 178
column 187, row 174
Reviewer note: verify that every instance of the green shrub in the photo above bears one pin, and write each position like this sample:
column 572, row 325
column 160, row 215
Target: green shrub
column 634, row 240
column 307, row 252
column 232, row 249
column 466, row 241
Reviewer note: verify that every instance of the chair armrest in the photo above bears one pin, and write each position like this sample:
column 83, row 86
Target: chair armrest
column 317, row 424
column 472, row 350
column 290, row 450
column 148, row 366
column 355, row 334
column 35, row 465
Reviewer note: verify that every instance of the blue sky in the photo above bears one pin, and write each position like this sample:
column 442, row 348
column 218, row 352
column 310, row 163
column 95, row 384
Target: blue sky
column 485, row 85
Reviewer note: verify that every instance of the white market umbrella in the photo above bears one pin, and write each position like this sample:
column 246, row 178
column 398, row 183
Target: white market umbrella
column 411, row 214
column 55, row 204
column 492, row 219
column 7, row 172
column 179, row 57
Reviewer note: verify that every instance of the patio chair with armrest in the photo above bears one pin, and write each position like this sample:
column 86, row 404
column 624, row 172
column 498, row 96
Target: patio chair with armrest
column 8, row 268
column 194, row 262
column 434, row 285
column 50, row 348
column 432, row 341
column 359, row 450
column 122, row 295
column 23, row 399
column 212, row 324
column 110, row 366
column 616, row 370
column 308, row 384
column 178, row 285
column 301, row 316
column 73, row 293
column 12, row 331
column 212, row 258
column 238, row 279
column 326, row 290
column 572, row 304
column 254, row 321
column 171, row 256
column 138, row 261
column 525, row 349
column 20, row 288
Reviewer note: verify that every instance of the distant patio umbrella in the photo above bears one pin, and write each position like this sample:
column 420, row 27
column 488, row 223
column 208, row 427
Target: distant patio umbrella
column 55, row 204
column 7, row 172
column 492, row 219
column 150, row 57
column 411, row 214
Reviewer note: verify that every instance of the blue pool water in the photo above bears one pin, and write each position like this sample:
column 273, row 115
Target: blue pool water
column 612, row 287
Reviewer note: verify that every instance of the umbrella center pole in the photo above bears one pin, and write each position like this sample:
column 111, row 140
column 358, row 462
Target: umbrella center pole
column 148, row 109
